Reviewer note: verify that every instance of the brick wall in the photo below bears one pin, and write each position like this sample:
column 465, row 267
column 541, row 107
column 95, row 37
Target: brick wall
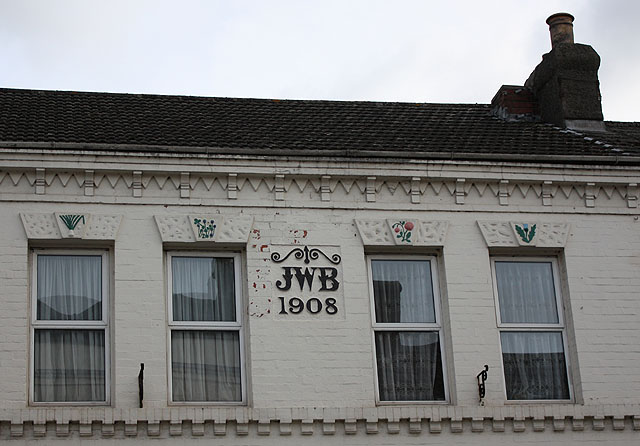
column 311, row 374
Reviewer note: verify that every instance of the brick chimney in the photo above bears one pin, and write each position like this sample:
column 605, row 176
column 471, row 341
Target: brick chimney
column 565, row 84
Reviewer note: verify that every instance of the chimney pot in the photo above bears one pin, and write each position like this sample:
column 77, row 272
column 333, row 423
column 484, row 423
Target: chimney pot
column 560, row 28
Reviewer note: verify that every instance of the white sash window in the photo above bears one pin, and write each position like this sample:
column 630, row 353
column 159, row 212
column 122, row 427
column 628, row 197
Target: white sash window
column 69, row 329
column 205, row 328
column 407, row 330
column 532, row 329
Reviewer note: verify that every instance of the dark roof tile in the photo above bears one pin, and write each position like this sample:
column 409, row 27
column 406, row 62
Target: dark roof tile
column 301, row 127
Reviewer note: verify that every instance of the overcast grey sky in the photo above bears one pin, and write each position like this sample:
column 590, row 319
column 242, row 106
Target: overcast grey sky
column 417, row 51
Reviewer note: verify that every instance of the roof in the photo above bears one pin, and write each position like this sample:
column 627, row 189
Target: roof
column 135, row 122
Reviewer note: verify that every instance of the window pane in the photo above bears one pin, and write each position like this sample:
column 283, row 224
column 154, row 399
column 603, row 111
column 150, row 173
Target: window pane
column 534, row 366
column 205, row 365
column 526, row 292
column 69, row 288
column 69, row 365
column 402, row 291
column 409, row 366
column 203, row 289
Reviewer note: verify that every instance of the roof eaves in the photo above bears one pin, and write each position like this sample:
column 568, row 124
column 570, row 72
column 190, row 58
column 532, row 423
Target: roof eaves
column 614, row 159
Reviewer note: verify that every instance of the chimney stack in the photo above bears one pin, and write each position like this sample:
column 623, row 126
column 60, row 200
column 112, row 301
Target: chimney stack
column 560, row 28
column 565, row 84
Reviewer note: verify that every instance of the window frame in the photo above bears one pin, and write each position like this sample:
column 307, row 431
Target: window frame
column 560, row 327
column 103, row 324
column 238, row 325
column 432, row 327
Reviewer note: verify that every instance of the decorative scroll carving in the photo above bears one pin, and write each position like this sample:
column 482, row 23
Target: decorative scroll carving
column 71, row 225
column 542, row 235
column 402, row 231
column 306, row 254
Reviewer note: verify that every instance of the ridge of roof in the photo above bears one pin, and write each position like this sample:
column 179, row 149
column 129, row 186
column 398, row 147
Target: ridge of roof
column 229, row 98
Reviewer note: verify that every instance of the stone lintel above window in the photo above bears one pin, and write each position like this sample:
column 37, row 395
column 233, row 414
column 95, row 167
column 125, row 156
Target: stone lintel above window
column 524, row 233
column 71, row 225
column 402, row 231
column 201, row 227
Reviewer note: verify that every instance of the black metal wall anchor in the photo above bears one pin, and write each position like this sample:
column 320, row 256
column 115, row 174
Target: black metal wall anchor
column 141, row 383
column 482, row 377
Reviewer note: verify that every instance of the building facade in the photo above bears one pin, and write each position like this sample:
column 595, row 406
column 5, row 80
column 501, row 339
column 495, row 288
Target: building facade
column 245, row 271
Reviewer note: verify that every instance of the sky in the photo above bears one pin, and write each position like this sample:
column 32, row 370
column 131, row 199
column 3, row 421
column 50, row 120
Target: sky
column 454, row 51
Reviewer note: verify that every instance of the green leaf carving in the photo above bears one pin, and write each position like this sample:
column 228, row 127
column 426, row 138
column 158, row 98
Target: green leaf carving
column 526, row 234
column 206, row 229
column 71, row 221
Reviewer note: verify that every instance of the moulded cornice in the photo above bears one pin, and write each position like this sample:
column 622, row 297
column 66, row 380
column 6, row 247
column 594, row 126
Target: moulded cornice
column 351, row 187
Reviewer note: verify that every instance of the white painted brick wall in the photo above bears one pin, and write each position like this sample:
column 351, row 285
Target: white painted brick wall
column 329, row 363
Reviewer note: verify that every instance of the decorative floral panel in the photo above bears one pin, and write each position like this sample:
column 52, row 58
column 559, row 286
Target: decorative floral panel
column 524, row 233
column 204, row 228
column 402, row 231
column 62, row 225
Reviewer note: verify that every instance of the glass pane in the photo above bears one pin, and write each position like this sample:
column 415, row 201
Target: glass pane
column 402, row 291
column 534, row 366
column 205, row 365
column 203, row 289
column 526, row 292
column 409, row 366
column 69, row 287
column 69, row 365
